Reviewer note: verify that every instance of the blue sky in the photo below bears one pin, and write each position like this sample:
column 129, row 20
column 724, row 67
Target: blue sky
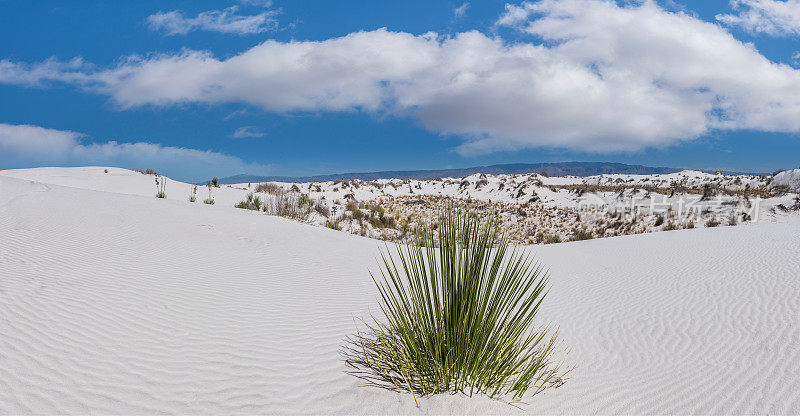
column 113, row 83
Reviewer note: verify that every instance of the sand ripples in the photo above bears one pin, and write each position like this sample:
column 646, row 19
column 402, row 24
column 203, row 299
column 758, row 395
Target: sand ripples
column 115, row 303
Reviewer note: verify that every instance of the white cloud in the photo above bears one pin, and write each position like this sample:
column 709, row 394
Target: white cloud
column 607, row 78
column 514, row 14
column 461, row 10
column 223, row 21
column 49, row 70
column 771, row 17
column 23, row 146
column 247, row 132
column 258, row 3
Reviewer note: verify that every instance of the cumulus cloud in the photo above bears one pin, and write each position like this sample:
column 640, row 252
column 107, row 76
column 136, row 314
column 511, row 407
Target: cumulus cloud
column 23, row 146
column 594, row 76
column 771, row 17
column 247, row 132
column 222, row 21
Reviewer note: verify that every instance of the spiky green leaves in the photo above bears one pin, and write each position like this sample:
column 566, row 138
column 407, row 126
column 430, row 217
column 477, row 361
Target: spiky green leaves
column 459, row 307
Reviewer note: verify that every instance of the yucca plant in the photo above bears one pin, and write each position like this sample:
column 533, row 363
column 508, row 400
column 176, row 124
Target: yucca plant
column 459, row 308
column 161, row 187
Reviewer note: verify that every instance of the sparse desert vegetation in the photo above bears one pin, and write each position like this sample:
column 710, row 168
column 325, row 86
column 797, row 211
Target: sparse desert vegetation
column 533, row 208
column 148, row 171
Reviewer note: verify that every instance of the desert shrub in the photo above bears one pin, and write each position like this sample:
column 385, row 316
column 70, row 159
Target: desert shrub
column 148, row 171
column 581, row 234
column 375, row 209
column 712, row 222
column 322, row 210
column 192, row 198
column 215, row 182
column 547, row 238
column 269, row 188
column 459, row 315
column 288, row 205
column 334, row 225
column 105, row 170
column 251, row 202
column 304, row 201
column 382, row 221
column 355, row 211
column 659, row 220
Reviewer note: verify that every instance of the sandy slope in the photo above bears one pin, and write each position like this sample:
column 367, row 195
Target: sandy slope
column 118, row 303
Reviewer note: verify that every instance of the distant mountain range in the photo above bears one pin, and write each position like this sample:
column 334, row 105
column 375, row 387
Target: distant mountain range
column 552, row 169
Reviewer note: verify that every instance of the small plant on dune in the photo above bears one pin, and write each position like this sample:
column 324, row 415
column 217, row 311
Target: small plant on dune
column 105, row 170
column 459, row 307
column 580, row 234
column 322, row 210
column 251, row 202
column 210, row 199
column 659, row 220
column 193, row 196
column 160, row 187
column 215, row 182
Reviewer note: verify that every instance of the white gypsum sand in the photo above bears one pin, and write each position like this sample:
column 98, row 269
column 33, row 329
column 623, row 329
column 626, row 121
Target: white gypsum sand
column 113, row 301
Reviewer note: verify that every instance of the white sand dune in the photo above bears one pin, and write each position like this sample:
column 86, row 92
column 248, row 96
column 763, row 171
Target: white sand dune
column 112, row 302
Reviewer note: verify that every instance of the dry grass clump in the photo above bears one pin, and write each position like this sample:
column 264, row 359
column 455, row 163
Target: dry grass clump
column 580, row 234
column 290, row 205
column 323, row 210
column 148, row 171
column 459, row 309
column 269, row 188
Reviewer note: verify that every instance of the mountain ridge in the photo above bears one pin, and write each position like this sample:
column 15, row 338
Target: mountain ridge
column 552, row 168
